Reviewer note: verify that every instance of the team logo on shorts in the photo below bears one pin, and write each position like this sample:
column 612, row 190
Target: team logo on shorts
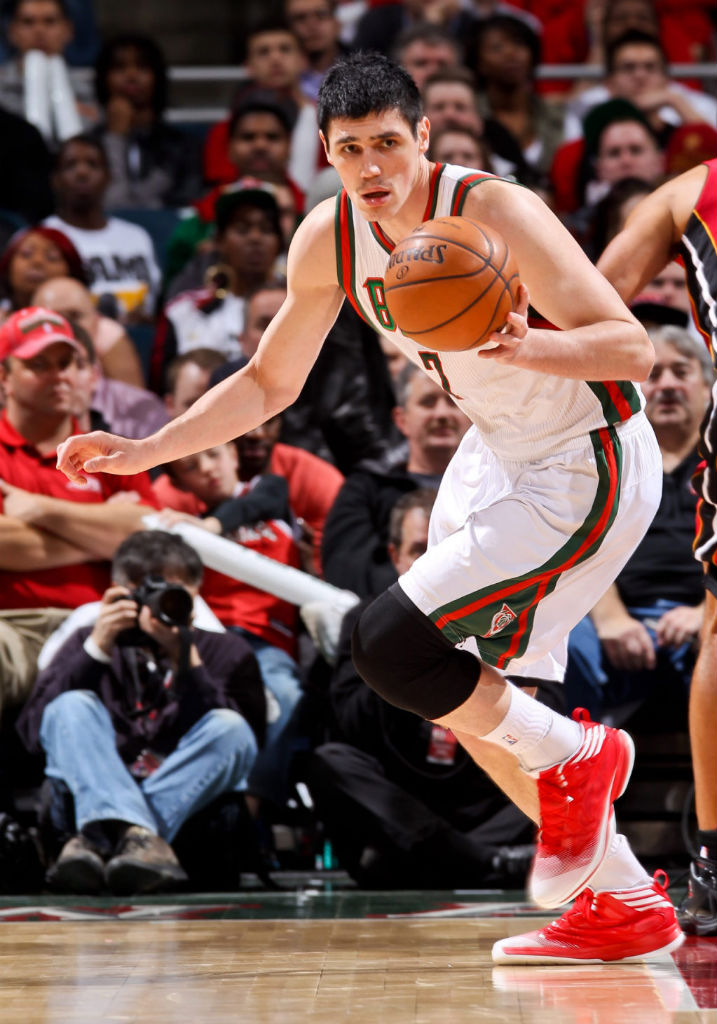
column 500, row 620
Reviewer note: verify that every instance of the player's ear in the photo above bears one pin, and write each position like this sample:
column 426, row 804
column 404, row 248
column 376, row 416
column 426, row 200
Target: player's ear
column 423, row 134
column 326, row 147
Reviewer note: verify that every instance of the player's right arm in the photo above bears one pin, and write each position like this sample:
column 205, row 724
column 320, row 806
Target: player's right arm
column 270, row 382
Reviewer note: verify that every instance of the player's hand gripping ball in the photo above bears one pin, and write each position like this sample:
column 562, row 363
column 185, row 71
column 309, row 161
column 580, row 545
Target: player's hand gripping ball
column 451, row 283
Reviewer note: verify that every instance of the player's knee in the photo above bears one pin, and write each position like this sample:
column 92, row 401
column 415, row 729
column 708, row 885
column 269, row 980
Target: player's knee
column 403, row 656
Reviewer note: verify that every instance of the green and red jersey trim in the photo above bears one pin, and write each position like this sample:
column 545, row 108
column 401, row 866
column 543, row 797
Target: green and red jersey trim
column 473, row 614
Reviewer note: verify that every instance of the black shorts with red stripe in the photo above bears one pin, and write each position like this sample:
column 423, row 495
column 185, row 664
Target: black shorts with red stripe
column 704, row 482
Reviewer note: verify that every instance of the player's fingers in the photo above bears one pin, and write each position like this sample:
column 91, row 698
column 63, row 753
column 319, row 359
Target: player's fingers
column 104, row 464
column 523, row 301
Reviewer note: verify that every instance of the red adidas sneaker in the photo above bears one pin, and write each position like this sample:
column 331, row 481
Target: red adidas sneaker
column 622, row 925
column 576, row 817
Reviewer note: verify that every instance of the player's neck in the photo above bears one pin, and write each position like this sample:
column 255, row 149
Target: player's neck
column 412, row 211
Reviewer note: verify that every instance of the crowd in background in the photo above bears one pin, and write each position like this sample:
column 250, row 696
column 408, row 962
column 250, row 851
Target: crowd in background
column 140, row 261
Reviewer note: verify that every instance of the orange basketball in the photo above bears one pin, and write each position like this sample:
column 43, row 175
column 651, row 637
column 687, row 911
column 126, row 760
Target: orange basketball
column 451, row 283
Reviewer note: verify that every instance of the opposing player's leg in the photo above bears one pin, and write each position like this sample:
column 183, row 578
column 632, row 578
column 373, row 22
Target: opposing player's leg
column 698, row 912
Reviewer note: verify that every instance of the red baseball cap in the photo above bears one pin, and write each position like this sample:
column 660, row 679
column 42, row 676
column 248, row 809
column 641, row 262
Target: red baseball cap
column 32, row 329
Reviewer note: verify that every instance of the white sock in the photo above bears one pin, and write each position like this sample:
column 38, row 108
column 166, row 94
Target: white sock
column 620, row 870
column 533, row 732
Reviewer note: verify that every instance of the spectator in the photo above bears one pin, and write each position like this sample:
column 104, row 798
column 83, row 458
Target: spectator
column 104, row 403
column 619, row 143
column 258, row 154
column 669, row 288
column 507, row 53
column 248, row 242
column 355, row 552
column 254, row 513
column 450, row 100
column 116, row 353
column 313, row 484
column 318, row 30
column 400, row 799
column 637, row 70
column 118, row 256
column 188, row 378
column 145, row 719
column 31, row 257
column 639, row 642
column 151, row 164
column 424, row 50
column 343, row 411
column 56, row 539
column 461, row 146
column 25, row 179
column 36, row 84
column 611, row 212
column 82, row 49
column 274, row 61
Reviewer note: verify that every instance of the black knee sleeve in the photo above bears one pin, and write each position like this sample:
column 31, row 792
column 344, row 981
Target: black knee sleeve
column 406, row 659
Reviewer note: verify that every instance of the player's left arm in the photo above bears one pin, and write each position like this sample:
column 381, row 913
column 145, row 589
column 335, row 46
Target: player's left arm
column 598, row 337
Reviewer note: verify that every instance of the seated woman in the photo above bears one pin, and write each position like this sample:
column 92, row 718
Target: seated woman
column 152, row 164
column 31, row 257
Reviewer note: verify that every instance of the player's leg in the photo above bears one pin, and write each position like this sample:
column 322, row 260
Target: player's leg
column 698, row 913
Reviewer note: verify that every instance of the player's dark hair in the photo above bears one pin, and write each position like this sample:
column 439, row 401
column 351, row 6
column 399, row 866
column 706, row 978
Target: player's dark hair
column 149, row 55
column 632, row 37
column 368, row 83
column 155, row 553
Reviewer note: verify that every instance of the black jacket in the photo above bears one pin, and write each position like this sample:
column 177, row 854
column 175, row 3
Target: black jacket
column 354, row 549
column 227, row 678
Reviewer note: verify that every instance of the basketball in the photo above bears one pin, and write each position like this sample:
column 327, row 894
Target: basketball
column 451, row 283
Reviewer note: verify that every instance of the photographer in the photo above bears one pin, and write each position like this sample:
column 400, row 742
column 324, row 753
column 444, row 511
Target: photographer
column 145, row 719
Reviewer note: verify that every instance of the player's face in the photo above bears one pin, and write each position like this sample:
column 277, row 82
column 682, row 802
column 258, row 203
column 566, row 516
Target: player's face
column 676, row 394
column 36, row 260
column 211, row 475
column 40, row 25
column 45, row 385
column 378, row 160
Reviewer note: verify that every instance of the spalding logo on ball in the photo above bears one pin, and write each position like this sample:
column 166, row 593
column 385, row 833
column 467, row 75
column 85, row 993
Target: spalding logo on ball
column 451, row 283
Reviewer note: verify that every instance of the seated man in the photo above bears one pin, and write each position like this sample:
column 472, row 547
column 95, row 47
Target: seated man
column 639, row 641
column 403, row 803
column 255, row 514
column 145, row 719
column 355, row 543
column 56, row 539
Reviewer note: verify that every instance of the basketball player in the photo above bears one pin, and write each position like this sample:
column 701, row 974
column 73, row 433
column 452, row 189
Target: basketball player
column 548, row 494
column 680, row 218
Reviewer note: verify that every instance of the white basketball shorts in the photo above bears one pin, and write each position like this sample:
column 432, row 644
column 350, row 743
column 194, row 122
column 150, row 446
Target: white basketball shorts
column 519, row 552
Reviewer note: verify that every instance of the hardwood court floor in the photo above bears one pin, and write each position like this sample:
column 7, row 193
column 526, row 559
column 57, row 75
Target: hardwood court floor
column 430, row 968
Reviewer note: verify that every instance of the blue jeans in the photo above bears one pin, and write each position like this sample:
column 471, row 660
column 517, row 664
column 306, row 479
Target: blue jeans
column 270, row 775
column 592, row 682
column 213, row 757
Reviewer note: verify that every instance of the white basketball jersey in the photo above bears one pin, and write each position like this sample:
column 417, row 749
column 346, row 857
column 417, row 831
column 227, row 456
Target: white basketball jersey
column 520, row 414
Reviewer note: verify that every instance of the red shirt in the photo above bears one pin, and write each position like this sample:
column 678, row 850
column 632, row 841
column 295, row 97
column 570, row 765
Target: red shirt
column 65, row 586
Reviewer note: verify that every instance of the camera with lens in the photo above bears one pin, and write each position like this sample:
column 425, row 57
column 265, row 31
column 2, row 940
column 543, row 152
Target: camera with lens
column 171, row 603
